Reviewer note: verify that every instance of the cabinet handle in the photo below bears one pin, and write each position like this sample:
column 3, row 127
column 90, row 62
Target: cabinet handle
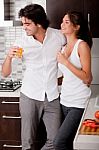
column 4, row 102
column 14, row 146
column 10, row 117
column 88, row 17
column 89, row 20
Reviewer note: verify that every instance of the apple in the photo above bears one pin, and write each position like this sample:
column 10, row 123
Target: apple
column 97, row 114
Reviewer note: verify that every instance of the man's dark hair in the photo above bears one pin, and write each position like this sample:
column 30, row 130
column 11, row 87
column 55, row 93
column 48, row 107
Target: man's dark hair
column 36, row 13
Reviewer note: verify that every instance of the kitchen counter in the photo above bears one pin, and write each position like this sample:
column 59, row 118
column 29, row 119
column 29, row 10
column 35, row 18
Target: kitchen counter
column 88, row 142
column 16, row 93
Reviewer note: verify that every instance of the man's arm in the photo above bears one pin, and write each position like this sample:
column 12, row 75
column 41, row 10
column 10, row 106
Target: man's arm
column 7, row 64
column 7, row 67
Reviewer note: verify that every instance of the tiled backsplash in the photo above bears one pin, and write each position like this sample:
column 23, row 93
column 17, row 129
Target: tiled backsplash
column 9, row 34
column 7, row 38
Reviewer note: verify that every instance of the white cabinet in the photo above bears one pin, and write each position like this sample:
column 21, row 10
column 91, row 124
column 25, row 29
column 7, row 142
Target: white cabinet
column 95, row 70
column 95, row 60
column 95, row 47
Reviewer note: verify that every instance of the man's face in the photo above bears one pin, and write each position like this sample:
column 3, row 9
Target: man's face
column 29, row 26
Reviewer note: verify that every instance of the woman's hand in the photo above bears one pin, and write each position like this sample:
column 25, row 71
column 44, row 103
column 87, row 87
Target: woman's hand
column 88, row 81
column 61, row 58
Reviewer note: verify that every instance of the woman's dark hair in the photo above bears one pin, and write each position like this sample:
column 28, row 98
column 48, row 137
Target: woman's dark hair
column 83, row 33
column 36, row 13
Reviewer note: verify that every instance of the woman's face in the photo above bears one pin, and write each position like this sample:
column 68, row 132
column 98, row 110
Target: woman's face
column 67, row 26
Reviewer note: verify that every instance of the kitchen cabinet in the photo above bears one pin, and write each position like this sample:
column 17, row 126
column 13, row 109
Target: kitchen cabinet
column 95, row 71
column 6, row 9
column 10, row 124
column 95, row 48
column 56, row 10
column 91, row 12
column 95, row 61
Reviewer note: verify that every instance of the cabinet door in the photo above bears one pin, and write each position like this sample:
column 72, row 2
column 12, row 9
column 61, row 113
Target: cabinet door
column 10, row 126
column 95, row 71
column 10, row 145
column 95, row 48
column 9, row 104
column 91, row 11
column 57, row 9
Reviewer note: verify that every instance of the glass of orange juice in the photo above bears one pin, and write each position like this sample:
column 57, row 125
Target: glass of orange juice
column 19, row 52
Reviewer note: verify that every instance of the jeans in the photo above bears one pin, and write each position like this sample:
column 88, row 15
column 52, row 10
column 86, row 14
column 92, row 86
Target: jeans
column 64, row 138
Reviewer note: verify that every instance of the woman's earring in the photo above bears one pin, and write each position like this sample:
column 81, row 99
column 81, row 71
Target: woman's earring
column 39, row 25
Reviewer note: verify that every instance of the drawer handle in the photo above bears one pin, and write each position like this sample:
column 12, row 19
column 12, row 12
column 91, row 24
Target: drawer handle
column 10, row 117
column 4, row 102
column 5, row 145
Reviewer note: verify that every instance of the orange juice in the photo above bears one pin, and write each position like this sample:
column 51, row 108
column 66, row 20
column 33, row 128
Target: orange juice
column 19, row 52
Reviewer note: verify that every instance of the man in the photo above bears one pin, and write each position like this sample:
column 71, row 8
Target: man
column 39, row 97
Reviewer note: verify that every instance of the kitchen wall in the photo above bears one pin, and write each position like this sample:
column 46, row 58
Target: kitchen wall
column 9, row 34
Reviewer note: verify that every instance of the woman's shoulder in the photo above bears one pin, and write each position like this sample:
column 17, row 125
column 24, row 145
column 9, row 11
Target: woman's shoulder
column 83, row 44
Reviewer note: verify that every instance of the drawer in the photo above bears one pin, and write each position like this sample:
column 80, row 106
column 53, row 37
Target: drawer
column 10, row 145
column 10, row 126
column 10, row 115
column 9, row 104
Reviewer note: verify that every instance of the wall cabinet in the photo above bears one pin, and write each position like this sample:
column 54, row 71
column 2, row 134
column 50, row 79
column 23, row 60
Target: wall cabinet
column 95, row 72
column 56, row 11
column 95, row 48
column 91, row 12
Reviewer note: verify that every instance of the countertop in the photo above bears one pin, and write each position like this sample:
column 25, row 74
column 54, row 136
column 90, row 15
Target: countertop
column 16, row 93
column 89, row 142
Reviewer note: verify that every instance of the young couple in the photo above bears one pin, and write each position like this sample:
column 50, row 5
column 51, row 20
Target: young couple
column 39, row 98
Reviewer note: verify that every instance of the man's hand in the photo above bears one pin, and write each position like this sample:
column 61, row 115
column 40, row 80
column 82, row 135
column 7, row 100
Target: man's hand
column 12, row 52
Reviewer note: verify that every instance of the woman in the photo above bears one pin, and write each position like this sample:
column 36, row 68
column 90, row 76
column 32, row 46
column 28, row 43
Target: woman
column 75, row 64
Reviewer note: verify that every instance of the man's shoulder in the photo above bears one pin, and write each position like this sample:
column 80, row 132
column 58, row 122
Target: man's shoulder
column 57, row 34
column 54, row 30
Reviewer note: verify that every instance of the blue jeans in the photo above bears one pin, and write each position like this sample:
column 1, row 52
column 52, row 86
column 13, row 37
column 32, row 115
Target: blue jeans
column 64, row 138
